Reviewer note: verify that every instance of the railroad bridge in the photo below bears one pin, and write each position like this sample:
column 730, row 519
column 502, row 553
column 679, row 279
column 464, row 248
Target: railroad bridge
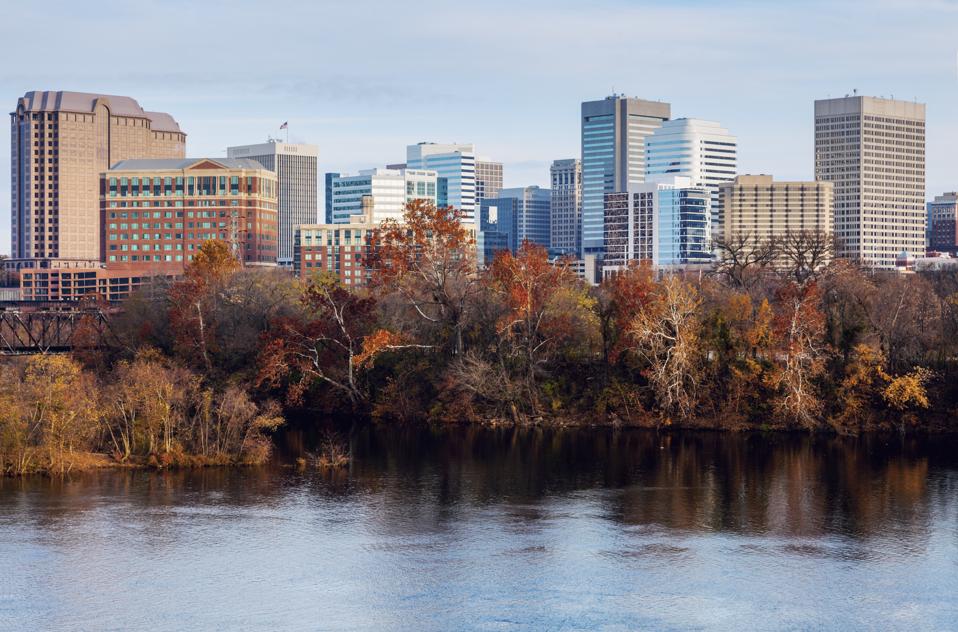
column 30, row 327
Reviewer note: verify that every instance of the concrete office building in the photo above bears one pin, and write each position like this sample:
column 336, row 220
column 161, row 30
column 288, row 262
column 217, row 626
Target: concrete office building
column 666, row 223
column 613, row 155
column 759, row 209
column 386, row 191
column 565, row 231
column 943, row 223
column 701, row 150
column 456, row 164
column 60, row 142
column 295, row 166
column 488, row 179
column 873, row 150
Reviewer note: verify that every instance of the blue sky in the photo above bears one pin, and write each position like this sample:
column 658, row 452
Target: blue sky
column 363, row 79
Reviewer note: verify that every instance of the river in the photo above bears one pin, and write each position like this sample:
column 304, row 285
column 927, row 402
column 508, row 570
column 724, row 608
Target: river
column 467, row 528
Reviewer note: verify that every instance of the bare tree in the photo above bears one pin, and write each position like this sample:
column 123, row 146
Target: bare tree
column 744, row 259
column 803, row 255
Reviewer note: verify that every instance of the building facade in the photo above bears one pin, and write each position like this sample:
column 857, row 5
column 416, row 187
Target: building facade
column 565, row 229
column 488, row 180
column 456, row 165
column 703, row 151
column 341, row 250
column 943, row 223
column 613, row 155
column 295, row 166
column 666, row 223
column 328, row 200
column 758, row 207
column 156, row 214
column 59, row 144
column 873, row 150
column 383, row 192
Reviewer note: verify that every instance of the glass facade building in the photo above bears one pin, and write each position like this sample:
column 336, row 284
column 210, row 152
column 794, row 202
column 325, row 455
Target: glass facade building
column 457, row 165
column 613, row 155
column 385, row 191
column 666, row 223
column 702, row 150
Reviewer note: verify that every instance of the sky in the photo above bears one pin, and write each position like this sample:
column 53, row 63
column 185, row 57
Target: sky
column 363, row 79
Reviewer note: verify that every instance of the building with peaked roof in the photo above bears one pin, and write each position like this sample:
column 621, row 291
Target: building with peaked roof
column 60, row 144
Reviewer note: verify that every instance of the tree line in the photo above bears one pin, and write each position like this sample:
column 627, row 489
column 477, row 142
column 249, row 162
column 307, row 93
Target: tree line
column 777, row 336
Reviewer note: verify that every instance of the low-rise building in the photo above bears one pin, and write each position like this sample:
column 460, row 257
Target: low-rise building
column 155, row 214
column 665, row 222
column 341, row 249
column 386, row 190
column 943, row 223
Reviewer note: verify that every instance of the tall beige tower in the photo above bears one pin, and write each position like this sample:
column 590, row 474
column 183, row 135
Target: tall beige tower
column 59, row 144
column 873, row 150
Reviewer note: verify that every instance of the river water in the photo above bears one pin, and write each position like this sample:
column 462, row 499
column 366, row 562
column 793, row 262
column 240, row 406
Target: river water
column 462, row 528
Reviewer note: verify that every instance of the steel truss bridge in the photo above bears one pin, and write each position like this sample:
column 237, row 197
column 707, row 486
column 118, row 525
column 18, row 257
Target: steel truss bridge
column 31, row 328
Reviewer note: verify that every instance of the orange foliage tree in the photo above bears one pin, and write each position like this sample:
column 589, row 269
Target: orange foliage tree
column 800, row 353
column 192, row 299
column 333, row 342
column 429, row 260
column 544, row 305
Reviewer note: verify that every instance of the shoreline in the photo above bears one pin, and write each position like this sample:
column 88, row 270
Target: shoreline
column 85, row 462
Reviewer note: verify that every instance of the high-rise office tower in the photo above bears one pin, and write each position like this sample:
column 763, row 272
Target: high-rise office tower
column 330, row 176
column 943, row 223
column 701, row 150
column 565, row 232
column 523, row 214
column 665, row 222
column 457, row 165
column 380, row 194
column 488, row 179
column 873, row 150
column 60, row 142
column 295, row 166
column 613, row 155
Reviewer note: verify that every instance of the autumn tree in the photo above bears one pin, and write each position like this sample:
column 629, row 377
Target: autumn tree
column 333, row 341
column 193, row 298
column 428, row 259
column 800, row 354
column 665, row 334
column 546, row 308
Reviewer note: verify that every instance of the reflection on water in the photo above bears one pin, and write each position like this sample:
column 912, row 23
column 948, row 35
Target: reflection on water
column 468, row 528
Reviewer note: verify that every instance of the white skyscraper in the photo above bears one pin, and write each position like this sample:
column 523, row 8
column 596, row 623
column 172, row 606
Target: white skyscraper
column 295, row 166
column 701, row 150
column 456, row 165
column 386, row 192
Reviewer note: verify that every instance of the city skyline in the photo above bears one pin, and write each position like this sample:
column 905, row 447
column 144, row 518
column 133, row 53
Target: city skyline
column 350, row 100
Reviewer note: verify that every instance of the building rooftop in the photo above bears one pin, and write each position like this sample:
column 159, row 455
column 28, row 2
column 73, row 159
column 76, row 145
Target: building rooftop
column 165, row 164
column 85, row 102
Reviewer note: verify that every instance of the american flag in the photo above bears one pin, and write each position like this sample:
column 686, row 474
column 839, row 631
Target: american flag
column 284, row 125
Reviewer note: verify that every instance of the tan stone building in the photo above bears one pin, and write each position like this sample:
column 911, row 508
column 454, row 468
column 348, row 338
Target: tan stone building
column 60, row 144
column 758, row 207
column 874, row 151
